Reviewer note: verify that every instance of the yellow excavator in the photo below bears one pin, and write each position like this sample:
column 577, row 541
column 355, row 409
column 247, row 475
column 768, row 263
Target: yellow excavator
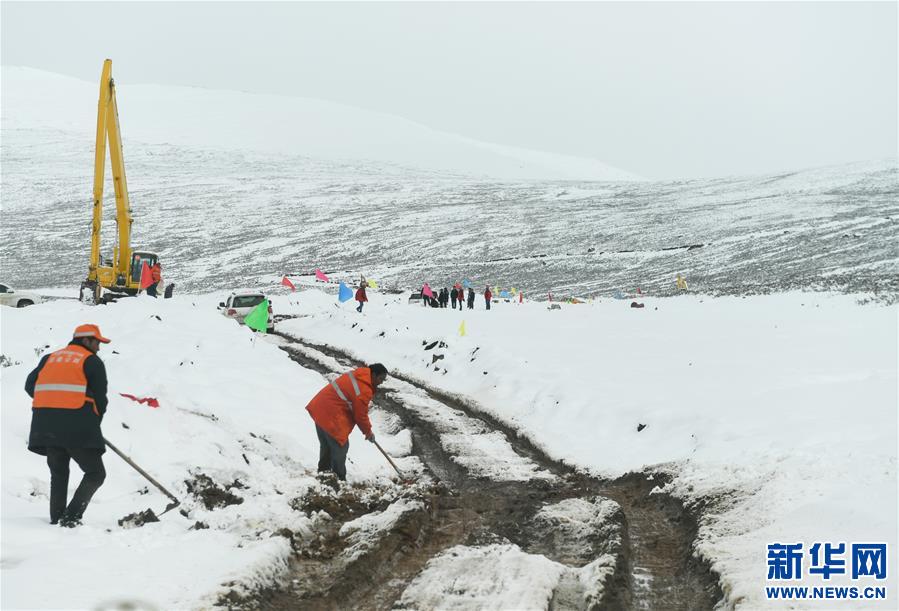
column 121, row 274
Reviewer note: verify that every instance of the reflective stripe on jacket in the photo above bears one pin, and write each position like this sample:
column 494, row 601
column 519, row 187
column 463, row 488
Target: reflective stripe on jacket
column 61, row 383
column 343, row 404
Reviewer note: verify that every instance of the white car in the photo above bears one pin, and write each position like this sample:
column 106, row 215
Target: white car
column 17, row 299
column 238, row 305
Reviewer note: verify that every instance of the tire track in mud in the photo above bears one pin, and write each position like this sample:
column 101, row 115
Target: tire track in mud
column 640, row 552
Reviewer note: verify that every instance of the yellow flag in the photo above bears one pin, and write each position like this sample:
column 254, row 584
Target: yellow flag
column 514, row 290
column 462, row 329
column 372, row 284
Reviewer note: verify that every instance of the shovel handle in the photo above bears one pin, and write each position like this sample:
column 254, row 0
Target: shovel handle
column 142, row 472
column 392, row 464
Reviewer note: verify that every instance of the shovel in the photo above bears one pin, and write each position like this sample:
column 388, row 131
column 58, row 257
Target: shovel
column 175, row 502
column 403, row 478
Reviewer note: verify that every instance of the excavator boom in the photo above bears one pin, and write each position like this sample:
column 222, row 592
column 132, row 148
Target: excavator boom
column 122, row 272
column 99, row 168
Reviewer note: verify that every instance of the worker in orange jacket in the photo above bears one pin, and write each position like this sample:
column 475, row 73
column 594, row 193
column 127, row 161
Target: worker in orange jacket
column 156, row 277
column 68, row 388
column 340, row 406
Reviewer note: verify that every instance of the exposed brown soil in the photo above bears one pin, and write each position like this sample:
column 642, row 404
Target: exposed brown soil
column 648, row 535
column 211, row 494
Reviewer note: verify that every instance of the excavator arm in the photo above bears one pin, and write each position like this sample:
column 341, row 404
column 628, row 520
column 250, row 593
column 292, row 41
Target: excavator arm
column 99, row 168
column 120, row 276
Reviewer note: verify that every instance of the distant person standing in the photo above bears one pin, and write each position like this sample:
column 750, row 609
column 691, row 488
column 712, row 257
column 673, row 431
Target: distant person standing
column 361, row 297
column 68, row 390
column 454, row 296
column 426, row 293
column 470, row 298
column 156, row 277
column 488, row 296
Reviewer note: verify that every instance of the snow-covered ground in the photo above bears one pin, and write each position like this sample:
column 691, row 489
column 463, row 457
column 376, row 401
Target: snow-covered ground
column 777, row 414
column 781, row 408
column 231, row 407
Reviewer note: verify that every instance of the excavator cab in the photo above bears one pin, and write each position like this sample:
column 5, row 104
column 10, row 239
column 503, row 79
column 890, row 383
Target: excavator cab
column 137, row 264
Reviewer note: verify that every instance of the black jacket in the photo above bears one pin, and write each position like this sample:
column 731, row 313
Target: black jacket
column 70, row 428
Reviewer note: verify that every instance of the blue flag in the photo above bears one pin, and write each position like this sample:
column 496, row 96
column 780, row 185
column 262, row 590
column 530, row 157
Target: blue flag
column 345, row 294
column 505, row 295
column 466, row 283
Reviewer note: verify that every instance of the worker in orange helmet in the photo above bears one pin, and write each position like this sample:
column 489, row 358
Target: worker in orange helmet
column 340, row 406
column 68, row 390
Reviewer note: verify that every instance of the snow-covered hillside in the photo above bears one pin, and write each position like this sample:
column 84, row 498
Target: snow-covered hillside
column 318, row 129
column 221, row 212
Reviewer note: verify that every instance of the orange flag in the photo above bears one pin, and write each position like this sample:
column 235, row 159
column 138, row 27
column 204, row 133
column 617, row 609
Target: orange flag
column 286, row 282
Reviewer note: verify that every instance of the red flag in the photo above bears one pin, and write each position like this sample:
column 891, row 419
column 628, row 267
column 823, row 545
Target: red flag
column 320, row 276
column 148, row 400
column 286, row 282
column 146, row 276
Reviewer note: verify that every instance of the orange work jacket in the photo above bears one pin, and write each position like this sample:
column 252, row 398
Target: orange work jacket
column 343, row 404
column 61, row 383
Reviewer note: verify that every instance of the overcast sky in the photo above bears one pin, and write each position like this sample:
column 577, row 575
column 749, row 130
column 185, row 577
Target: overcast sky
column 664, row 90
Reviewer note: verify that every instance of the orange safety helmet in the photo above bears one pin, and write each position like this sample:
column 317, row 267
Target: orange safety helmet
column 89, row 331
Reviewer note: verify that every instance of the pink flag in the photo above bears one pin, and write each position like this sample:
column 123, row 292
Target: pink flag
column 426, row 290
column 286, row 282
column 320, row 276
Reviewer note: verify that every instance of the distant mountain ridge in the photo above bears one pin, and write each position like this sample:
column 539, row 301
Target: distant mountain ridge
column 208, row 118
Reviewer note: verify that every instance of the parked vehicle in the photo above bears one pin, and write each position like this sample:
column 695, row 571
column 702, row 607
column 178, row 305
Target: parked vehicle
column 238, row 305
column 17, row 299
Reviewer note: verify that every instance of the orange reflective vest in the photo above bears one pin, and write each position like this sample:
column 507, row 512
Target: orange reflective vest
column 343, row 404
column 61, row 383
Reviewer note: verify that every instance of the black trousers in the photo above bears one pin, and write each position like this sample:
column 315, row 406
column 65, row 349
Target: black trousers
column 331, row 455
column 151, row 290
column 90, row 460
column 488, row 303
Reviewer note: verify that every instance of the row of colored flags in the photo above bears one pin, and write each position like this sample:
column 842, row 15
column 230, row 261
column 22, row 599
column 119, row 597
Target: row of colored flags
column 319, row 275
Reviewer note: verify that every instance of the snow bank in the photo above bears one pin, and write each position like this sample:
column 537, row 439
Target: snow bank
column 231, row 408
column 489, row 577
column 362, row 532
column 779, row 410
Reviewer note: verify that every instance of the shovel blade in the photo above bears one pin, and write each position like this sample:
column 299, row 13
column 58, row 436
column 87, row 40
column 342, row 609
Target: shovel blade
column 170, row 506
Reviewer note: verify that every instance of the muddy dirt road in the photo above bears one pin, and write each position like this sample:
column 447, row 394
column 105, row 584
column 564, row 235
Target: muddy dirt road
column 488, row 515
